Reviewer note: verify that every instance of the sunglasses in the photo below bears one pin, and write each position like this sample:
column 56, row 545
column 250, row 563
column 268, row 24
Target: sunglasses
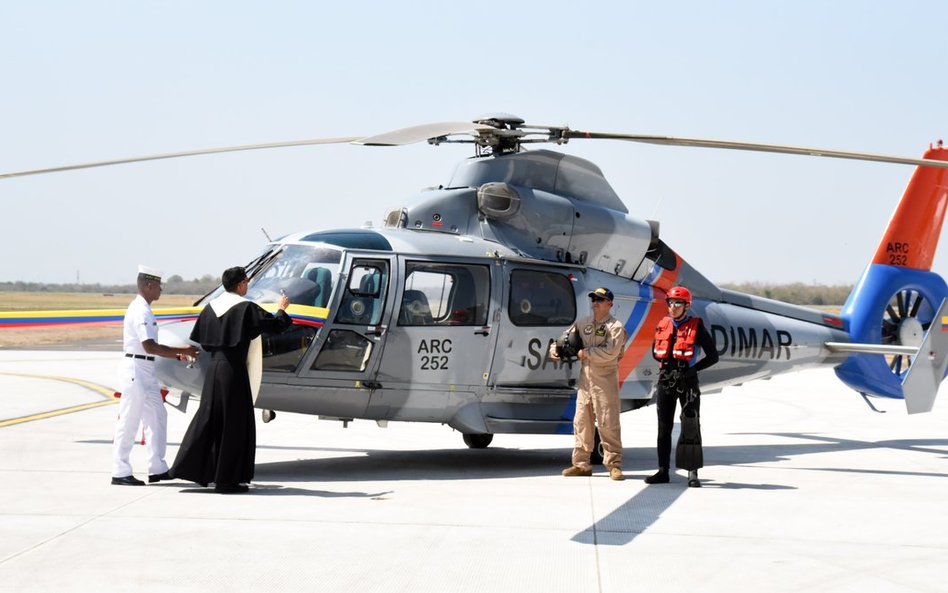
column 598, row 299
column 676, row 303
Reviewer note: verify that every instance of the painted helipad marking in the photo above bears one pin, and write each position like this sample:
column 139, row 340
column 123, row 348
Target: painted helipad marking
column 103, row 391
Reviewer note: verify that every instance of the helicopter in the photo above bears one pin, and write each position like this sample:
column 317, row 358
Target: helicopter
column 445, row 314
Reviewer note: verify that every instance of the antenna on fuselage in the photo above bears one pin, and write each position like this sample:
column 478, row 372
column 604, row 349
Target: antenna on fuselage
column 265, row 234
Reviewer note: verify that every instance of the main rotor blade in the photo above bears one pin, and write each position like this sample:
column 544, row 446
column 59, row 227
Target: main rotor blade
column 422, row 133
column 725, row 144
column 174, row 155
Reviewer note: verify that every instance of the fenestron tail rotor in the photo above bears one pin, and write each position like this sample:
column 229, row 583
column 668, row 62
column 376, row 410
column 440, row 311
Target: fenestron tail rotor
column 903, row 326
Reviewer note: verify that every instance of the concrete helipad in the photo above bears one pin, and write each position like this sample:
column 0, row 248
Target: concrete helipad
column 806, row 489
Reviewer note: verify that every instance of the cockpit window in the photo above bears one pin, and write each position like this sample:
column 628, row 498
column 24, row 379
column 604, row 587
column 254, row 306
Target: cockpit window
column 262, row 259
column 305, row 273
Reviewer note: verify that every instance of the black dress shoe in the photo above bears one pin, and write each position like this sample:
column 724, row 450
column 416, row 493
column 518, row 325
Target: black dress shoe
column 127, row 481
column 231, row 488
column 159, row 477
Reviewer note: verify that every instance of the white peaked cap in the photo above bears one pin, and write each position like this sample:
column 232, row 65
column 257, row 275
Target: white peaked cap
column 149, row 271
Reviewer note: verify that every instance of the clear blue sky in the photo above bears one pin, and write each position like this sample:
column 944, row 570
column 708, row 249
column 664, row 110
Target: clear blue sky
column 96, row 80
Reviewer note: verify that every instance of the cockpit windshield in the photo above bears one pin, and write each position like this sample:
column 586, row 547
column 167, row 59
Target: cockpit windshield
column 306, row 273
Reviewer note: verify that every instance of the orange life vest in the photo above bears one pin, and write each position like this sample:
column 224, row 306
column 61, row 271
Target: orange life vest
column 684, row 346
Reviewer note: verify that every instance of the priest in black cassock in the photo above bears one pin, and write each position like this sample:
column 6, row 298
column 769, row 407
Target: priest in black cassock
column 220, row 444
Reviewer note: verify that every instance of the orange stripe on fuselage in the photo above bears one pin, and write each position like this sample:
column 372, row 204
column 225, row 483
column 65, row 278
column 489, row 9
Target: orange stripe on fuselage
column 641, row 344
column 912, row 237
column 642, row 341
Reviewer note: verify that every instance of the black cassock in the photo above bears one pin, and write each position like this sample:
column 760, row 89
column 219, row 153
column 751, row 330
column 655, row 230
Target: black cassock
column 220, row 444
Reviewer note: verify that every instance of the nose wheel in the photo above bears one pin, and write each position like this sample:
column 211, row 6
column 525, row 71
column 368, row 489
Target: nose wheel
column 477, row 441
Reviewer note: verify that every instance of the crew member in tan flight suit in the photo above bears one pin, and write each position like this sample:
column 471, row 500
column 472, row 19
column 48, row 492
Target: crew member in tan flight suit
column 597, row 401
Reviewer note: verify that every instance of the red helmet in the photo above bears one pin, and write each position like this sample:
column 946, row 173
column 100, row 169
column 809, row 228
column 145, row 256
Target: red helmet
column 679, row 293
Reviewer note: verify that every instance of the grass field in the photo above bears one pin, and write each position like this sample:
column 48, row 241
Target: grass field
column 24, row 338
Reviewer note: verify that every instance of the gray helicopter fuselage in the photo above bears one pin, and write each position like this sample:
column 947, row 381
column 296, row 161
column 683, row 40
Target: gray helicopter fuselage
column 446, row 314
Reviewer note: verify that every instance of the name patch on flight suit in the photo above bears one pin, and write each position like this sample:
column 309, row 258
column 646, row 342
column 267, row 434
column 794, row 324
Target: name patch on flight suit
column 601, row 331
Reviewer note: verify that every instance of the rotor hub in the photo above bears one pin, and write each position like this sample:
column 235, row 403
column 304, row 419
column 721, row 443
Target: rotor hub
column 911, row 332
column 501, row 121
column 505, row 135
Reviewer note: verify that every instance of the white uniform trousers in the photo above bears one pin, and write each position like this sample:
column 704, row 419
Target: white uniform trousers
column 140, row 404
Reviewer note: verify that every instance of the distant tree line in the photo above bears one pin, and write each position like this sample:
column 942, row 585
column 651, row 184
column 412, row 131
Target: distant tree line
column 172, row 285
column 796, row 293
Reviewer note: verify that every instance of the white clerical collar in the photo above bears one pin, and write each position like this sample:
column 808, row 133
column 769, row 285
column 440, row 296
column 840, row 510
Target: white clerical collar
column 223, row 303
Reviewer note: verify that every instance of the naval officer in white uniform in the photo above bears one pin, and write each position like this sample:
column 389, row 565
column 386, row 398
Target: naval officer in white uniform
column 141, row 395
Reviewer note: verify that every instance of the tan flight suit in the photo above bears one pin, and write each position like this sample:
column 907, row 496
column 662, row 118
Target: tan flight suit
column 598, row 397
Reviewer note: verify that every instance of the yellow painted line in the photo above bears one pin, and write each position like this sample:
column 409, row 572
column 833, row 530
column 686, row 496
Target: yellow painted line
column 110, row 401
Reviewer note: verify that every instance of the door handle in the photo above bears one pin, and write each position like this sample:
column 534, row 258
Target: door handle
column 483, row 331
column 377, row 330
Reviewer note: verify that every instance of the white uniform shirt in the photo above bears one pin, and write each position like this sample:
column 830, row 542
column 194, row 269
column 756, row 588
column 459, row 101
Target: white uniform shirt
column 140, row 325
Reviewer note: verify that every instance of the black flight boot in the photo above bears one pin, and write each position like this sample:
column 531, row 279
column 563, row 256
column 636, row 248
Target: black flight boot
column 660, row 477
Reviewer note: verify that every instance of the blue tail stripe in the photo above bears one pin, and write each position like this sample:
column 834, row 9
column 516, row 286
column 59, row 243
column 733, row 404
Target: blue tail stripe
column 864, row 311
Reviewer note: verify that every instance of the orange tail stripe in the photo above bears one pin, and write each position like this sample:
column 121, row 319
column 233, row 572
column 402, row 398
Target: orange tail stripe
column 912, row 237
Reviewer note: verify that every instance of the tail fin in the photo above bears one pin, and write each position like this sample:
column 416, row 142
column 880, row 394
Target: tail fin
column 896, row 300
column 920, row 385
column 912, row 237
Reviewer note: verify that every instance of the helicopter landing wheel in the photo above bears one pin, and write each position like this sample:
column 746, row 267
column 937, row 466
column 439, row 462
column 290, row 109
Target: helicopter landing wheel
column 477, row 441
column 596, row 456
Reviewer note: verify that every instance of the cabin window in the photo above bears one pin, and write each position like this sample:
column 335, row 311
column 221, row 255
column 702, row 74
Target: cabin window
column 444, row 294
column 283, row 351
column 344, row 350
column 541, row 299
column 364, row 299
